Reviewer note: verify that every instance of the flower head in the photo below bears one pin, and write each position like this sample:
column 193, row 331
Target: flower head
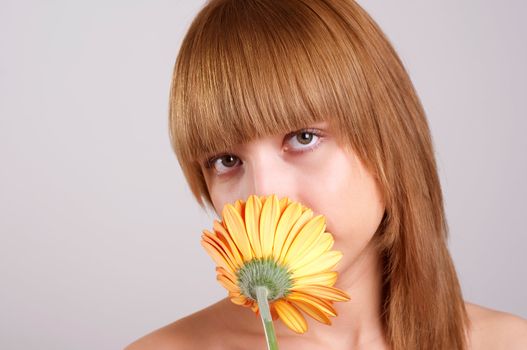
column 279, row 245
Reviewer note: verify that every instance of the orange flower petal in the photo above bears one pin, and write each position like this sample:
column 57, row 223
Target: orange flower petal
column 329, row 293
column 222, row 234
column 312, row 311
column 236, row 228
column 322, row 305
column 227, row 283
column 215, row 253
column 306, row 215
column 268, row 221
column 322, row 245
column 240, row 300
column 274, row 314
column 323, row 263
column 324, row 278
column 254, row 307
column 305, row 239
column 253, row 207
column 239, row 205
column 329, row 305
column 222, row 248
column 283, row 204
column 221, row 271
column 290, row 315
column 288, row 219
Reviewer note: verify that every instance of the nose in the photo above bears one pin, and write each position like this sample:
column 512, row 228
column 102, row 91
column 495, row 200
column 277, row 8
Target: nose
column 267, row 172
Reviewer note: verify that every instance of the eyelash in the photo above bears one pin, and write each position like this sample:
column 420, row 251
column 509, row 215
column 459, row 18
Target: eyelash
column 209, row 163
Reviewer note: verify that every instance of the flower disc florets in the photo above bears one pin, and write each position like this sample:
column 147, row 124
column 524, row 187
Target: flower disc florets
column 264, row 273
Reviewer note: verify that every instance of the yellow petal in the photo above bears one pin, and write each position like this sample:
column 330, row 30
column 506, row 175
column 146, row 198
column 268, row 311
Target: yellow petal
column 328, row 240
column 329, row 305
column 329, row 293
column 221, row 271
column 241, row 300
column 223, row 249
column 322, row 305
column 254, row 307
column 222, row 234
column 253, row 207
column 234, row 294
column 306, row 215
column 239, row 207
column 325, row 278
column 274, row 314
column 283, row 204
column 214, row 252
column 290, row 315
column 268, row 221
column 286, row 222
column 322, row 245
column 227, row 284
column 236, row 228
column 323, row 263
column 307, row 236
column 312, row 311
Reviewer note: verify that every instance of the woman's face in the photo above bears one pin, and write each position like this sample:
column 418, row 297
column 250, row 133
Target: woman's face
column 310, row 167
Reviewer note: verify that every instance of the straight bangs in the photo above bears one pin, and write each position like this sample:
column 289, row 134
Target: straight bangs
column 249, row 70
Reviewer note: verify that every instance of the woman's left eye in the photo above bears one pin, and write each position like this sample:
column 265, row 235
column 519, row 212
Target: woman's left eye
column 303, row 140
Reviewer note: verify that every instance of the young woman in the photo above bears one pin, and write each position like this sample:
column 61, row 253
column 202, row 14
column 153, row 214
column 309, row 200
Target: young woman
column 307, row 99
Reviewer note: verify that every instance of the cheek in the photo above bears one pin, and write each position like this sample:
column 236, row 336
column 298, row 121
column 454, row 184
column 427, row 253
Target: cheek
column 360, row 211
column 220, row 199
column 349, row 198
column 222, row 193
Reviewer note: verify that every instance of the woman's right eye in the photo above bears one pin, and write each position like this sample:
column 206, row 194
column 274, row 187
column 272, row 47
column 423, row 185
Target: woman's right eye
column 223, row 164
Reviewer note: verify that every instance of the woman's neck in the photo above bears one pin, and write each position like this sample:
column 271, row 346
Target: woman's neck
column 358, row 323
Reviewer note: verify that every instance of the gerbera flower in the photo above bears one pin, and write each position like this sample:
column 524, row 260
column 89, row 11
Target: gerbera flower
column 278, row 245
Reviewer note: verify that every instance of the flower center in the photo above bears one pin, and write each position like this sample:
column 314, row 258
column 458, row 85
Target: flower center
column 264, row 273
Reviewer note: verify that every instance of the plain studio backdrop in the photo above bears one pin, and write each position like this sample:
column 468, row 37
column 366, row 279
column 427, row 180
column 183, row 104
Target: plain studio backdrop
column 99, row 234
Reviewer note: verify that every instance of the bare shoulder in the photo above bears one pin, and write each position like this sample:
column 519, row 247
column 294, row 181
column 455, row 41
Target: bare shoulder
column 209, row 328
column 191, row 332
column 491, row 329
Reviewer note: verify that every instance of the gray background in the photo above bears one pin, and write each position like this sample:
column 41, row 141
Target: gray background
column 99, row 235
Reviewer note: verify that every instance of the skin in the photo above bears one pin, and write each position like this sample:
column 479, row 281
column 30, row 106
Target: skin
column 330, row 179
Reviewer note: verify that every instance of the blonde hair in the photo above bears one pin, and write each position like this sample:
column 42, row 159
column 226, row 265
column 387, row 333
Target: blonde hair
column 249, row 68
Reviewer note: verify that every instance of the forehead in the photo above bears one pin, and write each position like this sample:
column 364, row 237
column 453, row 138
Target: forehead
column 258, row 77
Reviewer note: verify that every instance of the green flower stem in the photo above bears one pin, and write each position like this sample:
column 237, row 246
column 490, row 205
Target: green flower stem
column 267, row 320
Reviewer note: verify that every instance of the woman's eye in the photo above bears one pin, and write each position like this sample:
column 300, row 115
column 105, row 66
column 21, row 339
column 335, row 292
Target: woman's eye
column 296, row 142
column 223, row 164
column 303, row 140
